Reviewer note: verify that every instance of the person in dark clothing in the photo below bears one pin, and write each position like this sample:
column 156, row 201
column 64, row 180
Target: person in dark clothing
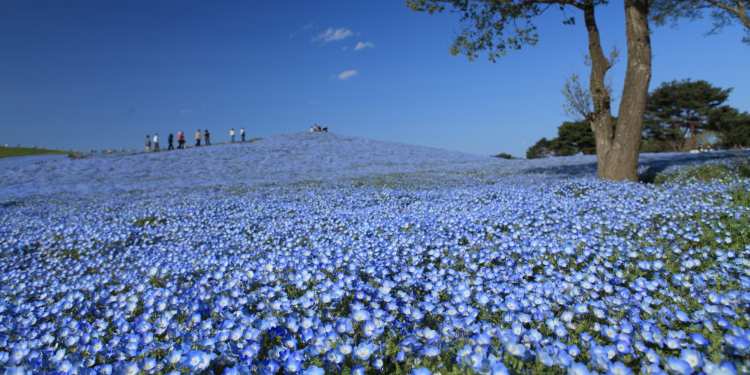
column 180, row 140
column 242, row 134
column 207, row 138
column 170, row 142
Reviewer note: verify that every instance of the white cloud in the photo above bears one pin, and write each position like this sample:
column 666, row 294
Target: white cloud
column 333, row 35
column 301, row 30
column 362, row 45
column 346, row 74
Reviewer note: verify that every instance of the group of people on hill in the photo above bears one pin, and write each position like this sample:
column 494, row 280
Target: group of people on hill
column 200, row 137
column 318, row 129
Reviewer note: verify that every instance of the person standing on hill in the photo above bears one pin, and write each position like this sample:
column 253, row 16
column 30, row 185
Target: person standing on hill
column 231, row 135
column 148, row 143
column 156, row 142
column 170, row 142
column 207, row 138
column 198, row 138
column 242, row 135
column 180, row 140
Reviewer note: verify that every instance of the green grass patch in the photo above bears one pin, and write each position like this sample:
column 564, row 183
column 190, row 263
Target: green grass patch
column 149, row 221
column 7, row 152
column 158, row 282
column 706, row 172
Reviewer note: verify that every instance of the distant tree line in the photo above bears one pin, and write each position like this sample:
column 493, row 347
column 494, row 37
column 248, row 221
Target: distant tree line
column 680, row 116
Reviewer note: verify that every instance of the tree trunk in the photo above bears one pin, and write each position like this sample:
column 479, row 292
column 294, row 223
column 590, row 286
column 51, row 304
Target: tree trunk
column 621, row 160
column 600, row 120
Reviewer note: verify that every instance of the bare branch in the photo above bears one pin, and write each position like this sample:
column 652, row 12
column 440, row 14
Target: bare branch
column 577, row 99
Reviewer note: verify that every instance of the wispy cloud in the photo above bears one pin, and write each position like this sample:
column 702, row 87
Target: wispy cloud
column 332, row 35
column 346, row 74
column 303, row 29
column 363, row 45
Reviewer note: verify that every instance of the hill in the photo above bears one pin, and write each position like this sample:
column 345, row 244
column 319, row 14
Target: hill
column 302, row 158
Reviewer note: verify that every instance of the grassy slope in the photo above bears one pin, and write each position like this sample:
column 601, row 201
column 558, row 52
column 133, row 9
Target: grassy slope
column 6, row 152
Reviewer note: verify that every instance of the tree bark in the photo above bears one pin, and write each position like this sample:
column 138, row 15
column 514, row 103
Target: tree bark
column 618, row 144
column 600, row 120
column 621, row 161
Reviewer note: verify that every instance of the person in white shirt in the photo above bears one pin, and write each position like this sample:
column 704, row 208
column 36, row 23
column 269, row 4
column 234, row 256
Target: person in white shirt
column 242, row 134
column 155, row 142
column 231, row 135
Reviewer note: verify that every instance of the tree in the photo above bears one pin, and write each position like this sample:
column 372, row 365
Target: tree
column 732, row 125
column 541, row 149
column 575, row 137
column 723, row 12
column 496, row 26
column 572, row 138
column 678, row 111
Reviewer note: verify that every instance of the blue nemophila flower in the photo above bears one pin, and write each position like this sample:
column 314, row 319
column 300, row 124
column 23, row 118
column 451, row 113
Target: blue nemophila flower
column 430, row 351
column 619, row 368
column 364, row 350
column 554, row 270
column 421, row 371
column 724, row 368
column 578, row 369
column 692, row 357
column 516, row 350
column 15, row 371
column 293, row 364
column 678, row 366
column 197, row 360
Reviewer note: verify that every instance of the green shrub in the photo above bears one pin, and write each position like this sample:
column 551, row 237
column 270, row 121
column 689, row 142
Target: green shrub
column 706, row 172
column 504, row 155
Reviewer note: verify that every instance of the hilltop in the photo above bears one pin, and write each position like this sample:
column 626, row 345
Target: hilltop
column 281, row 160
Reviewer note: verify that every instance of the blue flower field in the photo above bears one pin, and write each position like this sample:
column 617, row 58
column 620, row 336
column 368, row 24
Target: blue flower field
column 318, row 253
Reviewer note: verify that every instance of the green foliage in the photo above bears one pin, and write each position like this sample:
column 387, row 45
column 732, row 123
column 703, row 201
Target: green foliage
column 678, row 111
column 157, row 282
column 73, row 254
column 733, row 127
column 293, row 292
column 652, row 145
column 572, row 138
column 149, row 221
column 741, row 197
column 541, row 149
column 493, row 26
column 703, row 173
column 722, row 12
column 504, row 155
column 706, row 172
column 6, row 152
column 575, row 137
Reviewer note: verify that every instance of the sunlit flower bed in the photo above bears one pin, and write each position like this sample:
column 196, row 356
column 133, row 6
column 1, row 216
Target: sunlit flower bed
column 528, row 275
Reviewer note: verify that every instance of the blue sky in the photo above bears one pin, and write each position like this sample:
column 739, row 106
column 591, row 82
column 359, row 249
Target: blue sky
column 102, row 74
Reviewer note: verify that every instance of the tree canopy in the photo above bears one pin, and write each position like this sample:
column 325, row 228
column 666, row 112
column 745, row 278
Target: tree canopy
column 722, row 12
column 572, row 138
column 732, row 125
column 678, row 111
column 497, row 26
